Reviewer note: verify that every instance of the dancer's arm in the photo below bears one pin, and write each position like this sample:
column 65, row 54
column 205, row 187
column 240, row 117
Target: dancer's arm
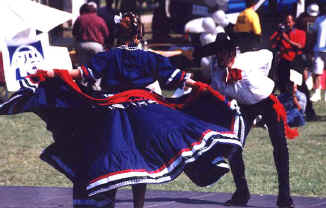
column 74, row 73
column 186, row 53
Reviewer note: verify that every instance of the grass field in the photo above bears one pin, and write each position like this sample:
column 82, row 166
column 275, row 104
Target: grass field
column 23, row 137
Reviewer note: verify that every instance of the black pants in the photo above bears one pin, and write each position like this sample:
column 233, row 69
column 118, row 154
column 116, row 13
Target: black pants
column 283, row 75
column 310, row 112
column 280, row 149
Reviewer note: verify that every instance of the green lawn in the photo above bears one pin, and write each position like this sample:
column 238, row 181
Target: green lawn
column 23, row 137
column 307, row 163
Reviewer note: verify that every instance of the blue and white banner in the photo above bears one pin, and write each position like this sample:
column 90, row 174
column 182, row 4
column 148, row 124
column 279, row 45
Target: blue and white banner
column 21, row 59
column 24, row 56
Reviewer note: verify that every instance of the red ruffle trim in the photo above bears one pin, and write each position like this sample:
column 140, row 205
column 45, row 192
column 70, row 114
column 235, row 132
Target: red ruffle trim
column 138, row 94
column 290, row 133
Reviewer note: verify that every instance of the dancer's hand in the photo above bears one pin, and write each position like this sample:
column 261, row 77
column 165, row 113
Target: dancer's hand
column 190, row 82
column 50, row 74
column 188, row 53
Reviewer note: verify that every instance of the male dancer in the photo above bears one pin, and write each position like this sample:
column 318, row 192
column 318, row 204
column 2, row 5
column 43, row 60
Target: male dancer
column 243, row 77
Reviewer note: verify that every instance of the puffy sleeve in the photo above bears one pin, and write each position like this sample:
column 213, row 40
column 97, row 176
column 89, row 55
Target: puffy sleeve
column 96, row 68
column 120, row 70
column 168, row 75
column 94, row 73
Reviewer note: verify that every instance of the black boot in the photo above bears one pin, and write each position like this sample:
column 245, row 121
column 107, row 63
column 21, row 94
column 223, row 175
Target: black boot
column 239, row 198
column 284, row 202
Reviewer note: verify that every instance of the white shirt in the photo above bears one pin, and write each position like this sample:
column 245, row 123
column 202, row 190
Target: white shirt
column 254, row 85
column 320, row 28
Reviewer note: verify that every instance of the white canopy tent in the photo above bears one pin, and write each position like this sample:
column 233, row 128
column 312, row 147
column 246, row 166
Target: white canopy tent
column 19, row 20
column 19, row 15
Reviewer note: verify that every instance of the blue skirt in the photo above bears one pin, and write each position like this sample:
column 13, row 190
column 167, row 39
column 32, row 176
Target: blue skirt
column 129, row 143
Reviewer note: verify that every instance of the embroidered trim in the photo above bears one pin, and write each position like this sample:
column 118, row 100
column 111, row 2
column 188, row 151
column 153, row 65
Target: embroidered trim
column 173, row 75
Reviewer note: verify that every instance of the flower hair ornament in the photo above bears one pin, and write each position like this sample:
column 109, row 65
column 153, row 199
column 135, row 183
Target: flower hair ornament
column 117, row 18
column 129, row 25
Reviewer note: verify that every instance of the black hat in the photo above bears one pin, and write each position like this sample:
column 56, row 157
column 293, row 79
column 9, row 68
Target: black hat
column 222, row 42
column 250, row 3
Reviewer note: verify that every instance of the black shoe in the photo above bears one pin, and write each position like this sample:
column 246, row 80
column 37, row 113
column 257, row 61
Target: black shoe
column 287, row 206
column 239, row 198
column 288, row 203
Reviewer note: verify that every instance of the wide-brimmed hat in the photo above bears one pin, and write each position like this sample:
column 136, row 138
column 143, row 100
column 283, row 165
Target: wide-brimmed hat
column 313, row 10
column 222, row 42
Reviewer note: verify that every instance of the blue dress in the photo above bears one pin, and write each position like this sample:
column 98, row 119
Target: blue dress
column 110, row 131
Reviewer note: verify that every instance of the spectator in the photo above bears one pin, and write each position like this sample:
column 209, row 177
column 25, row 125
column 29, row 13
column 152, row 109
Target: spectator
column 247, row 29
column 294, row 103
column 107, row 13
column 319, row 28
column 90, row 32
column 305, row 23
column 289, row 42
column 243, row 77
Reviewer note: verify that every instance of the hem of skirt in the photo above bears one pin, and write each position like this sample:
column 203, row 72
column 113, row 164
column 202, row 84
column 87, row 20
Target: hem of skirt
column 163, row 174
column 108, row 187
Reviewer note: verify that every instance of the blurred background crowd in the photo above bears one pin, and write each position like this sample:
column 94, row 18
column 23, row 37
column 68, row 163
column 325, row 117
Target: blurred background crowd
column 188, row 24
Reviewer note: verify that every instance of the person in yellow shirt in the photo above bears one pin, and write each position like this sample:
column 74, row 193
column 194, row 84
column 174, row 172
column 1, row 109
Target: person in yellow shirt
column 247, row 29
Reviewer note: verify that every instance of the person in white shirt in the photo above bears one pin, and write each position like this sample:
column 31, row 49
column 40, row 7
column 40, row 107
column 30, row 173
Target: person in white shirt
column 243, row 77
column 319, row 53
column 254, row 84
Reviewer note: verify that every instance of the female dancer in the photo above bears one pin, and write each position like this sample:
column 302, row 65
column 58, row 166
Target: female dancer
column 110, row 131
